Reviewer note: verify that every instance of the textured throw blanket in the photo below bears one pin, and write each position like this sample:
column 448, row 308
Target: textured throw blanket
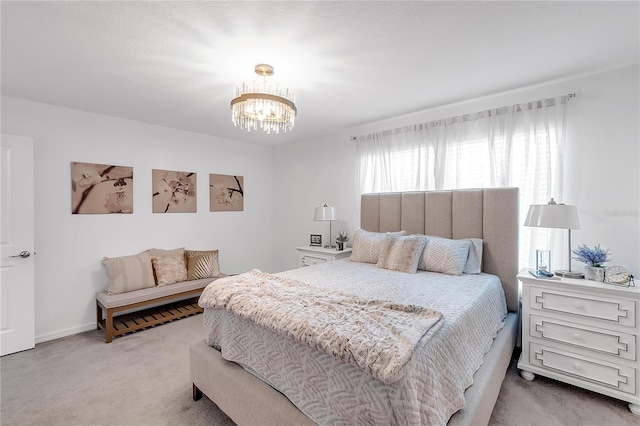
column 378, row 336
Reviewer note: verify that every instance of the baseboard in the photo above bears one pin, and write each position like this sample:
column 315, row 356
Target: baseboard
column 64, row 333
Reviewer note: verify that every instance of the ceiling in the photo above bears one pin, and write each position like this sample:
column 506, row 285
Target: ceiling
column 177, row 63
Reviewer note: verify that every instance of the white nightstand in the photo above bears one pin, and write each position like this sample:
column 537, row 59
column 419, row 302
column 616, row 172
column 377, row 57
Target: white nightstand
column 584, row 333
column 310, row 255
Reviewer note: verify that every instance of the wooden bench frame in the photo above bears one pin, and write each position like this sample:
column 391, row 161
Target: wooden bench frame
column 107, row 307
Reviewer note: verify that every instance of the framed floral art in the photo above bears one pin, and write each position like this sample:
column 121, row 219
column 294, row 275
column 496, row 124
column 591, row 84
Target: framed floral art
column 226, row 193
column 174, row 192
column 101, row 188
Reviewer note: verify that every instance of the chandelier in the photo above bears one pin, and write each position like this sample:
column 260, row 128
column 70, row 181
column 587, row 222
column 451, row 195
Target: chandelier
column 263, row 104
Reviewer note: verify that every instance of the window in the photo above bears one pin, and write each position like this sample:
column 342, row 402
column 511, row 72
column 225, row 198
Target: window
column 520, row 146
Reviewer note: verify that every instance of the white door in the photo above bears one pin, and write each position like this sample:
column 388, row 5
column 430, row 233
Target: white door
column 17, row 301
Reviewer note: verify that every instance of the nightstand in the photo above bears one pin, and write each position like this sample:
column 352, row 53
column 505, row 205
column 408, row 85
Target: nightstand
column 584, row 333
column 310, row 255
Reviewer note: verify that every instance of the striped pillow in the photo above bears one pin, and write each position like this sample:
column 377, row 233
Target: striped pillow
column 202, row 264
column 128, row 273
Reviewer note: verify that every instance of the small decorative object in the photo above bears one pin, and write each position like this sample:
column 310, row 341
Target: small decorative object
column 174, row 192
column 341, row 238
column 101, row 188
column 594, row 258
column 617, row 275
column 316, row 240
column 594, row 273
column 543, row 258
column 226, row 193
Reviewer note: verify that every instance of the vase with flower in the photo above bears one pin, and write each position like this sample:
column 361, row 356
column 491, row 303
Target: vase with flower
column 594, row 260
column 341, row 238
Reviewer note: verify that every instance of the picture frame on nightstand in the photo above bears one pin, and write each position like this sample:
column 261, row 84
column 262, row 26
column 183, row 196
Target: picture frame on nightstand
column 315, row 240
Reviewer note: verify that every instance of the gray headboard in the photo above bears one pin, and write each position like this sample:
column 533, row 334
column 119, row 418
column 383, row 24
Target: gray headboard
column 490, row 214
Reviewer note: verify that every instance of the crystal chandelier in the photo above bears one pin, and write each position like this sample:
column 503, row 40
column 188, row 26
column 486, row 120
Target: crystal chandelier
column 263, row 104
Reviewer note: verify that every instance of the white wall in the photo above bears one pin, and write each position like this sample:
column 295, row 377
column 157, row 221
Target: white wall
column 70, row 247
column 601, row 165
column 283, row 186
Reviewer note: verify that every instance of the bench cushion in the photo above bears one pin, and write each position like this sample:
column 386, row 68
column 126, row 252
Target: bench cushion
column 145, row 294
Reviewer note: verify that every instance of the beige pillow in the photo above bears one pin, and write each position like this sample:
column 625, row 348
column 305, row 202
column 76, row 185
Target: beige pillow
column 401, row 253
column 444, row 255
column 169, row 269
column 366, row 245
column 154, row 252
column 128, row 273
column 474, row 261
column 202, row 264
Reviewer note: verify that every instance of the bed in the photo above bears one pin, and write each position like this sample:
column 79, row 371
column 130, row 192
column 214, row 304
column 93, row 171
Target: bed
column 247, row 393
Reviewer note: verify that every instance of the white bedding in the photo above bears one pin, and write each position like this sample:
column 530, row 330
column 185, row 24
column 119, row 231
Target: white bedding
column 330, row 391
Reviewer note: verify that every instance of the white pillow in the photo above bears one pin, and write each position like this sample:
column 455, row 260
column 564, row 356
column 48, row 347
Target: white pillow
column 474, row 261
column 444, row 255
column 366, row 245
column 400, row 253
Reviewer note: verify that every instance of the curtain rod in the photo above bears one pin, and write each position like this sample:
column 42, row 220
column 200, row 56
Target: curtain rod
column 568, row 96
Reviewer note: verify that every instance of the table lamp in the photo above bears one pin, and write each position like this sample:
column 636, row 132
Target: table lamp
column 554, row 215
column 327, row 213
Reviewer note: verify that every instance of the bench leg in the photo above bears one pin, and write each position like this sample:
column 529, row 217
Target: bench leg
column 197, row 393
column 98, row 315
column 108, row 326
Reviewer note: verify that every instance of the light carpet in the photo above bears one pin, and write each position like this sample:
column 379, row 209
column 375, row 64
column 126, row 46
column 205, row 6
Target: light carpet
column 143, row 379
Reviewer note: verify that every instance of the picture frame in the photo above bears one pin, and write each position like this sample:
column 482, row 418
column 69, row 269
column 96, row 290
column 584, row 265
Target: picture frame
column 315, row 240
column 101, row 188
column 173, row 191
column 226, row 193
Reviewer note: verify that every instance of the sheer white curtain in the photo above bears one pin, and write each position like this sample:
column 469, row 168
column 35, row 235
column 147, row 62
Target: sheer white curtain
column 519, row 145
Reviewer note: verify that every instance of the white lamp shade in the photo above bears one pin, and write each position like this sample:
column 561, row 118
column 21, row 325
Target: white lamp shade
column 553, row 216
column 326, row 213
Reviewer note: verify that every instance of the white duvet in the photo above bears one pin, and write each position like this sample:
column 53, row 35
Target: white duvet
column 330, row 391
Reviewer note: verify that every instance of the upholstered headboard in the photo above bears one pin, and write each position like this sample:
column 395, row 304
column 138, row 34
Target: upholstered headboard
column 490, row 214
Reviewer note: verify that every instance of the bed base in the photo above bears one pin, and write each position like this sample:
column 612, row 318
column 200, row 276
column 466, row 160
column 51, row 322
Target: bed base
column 248, row 401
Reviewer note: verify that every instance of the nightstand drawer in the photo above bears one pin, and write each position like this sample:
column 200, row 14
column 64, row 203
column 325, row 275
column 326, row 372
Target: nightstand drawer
column 621, row 311
column 595, row 339
column 611, row 375
column 311, row 260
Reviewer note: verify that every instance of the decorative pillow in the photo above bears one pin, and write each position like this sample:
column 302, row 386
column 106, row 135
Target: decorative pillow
column 401, row 253
column 366, row 245
column 444, row 255
column 474, row 261
column 202, row 264
column 169, row 269
column 128, row 273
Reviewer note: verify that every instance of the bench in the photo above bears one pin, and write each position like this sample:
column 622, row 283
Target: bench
column 108, row 306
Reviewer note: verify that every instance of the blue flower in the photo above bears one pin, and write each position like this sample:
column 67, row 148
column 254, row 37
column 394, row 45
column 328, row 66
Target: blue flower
column 591, row 256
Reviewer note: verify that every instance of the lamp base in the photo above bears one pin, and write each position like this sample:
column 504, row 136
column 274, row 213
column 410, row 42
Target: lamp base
column 569, row 274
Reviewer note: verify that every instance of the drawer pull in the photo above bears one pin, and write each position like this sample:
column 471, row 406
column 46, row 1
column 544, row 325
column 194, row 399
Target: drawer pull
column 577, row 336
column 578, row 305
column 577, row 366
